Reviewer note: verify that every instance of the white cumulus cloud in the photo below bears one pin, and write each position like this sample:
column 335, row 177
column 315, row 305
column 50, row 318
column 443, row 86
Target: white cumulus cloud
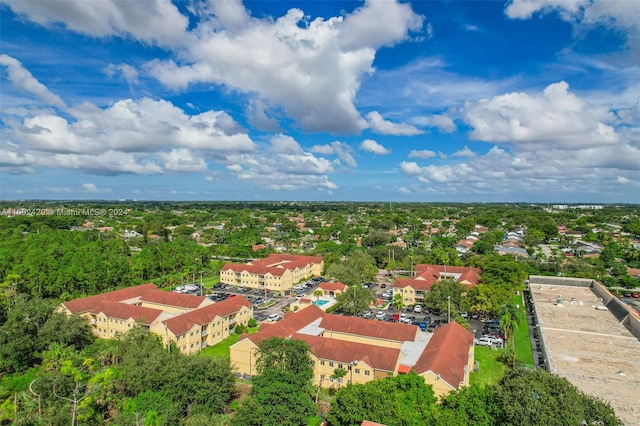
column 555, row 117
column 151, row 21
column 422, row 153
column 23, row 79
column 385, row 127
column 374, row 147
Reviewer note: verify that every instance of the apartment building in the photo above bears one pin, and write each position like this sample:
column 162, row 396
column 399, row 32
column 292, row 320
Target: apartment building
column 191, row 322
column 413, row 290
column 367, row 349
column 276, row 272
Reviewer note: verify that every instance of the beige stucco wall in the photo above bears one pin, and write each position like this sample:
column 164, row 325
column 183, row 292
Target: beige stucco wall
column 242, row 356
column 323, row 370
column 203, row 335
column 440, row 387
column 408, row 295
column 278, row 283
column 362, row 339
column 108, row 328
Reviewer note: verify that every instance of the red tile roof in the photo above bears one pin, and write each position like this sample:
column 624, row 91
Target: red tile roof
column 424, row 285
column 124, row 311
column 85, row 304
column 368, row 423
column 290, row 261
column 182, row 323
column 289, row 325
column 327, row 286
column 371, row 328
column 447, row 353
column 173, row 299
column 253, row 269
column 276, row 264
column 379, row 358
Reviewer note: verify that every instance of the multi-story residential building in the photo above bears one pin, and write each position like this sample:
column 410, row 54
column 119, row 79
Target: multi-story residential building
column 276, row 272
column 413, row 290
column 367, row 349
column 191, row 322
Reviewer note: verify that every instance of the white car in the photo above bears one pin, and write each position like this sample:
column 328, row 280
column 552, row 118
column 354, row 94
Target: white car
column 380, row 315
column 417, row 309
column 487, row 341
column 274, row 317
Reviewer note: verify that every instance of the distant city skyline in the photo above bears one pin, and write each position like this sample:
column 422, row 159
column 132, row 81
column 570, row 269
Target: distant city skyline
column 427, row 101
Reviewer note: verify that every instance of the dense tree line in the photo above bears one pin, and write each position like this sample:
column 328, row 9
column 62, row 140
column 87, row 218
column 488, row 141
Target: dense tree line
column 52, row 263
column 522, row 397
column 130, row 380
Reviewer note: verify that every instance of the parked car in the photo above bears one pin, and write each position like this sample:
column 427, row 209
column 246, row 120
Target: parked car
column 274, row 317
column 367, row 315
column 488, row 341
column 383, row 285
column 380, row 315
column 635, row 295
column 495, row 340
column 483, row 341
column 464, row 314
column 417, row 309
column 431, row 327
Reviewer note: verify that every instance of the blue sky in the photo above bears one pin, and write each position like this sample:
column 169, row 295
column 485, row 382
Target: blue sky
column 428, row 101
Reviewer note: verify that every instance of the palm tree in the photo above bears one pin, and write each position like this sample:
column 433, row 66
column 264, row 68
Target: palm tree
column 509, row 319
column 317, row 294
column 397, row 302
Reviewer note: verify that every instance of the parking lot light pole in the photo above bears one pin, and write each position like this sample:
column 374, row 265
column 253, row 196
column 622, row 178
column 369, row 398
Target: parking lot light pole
column 448, row 309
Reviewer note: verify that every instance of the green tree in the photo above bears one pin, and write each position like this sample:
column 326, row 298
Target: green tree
column 400, row 400
column 355, row 300
column 281, row 392
column 358, row 268
column 338, row 375
column 397, row 301
column 66, row 330
column 529, row 397
column 472, row 405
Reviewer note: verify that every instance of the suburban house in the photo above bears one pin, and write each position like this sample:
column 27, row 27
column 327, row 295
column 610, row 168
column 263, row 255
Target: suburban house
column 276, row 272
column 366, row 349
column 191, row 322
column 413, row 290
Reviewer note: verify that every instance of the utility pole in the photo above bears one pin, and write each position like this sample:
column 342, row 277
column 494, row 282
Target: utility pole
column 448, row 308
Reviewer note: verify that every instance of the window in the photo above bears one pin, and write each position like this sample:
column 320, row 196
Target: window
column 331, row 364
column 322, row 362
column 340, row 366
column 357, row 371
column 367, row 372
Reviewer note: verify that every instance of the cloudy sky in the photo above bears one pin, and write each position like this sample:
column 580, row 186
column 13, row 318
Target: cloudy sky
column 524, row 100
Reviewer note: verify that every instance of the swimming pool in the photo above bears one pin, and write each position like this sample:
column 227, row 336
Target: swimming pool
column 320, row 302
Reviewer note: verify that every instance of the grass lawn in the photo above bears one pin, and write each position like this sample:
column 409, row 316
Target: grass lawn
column 222, row 349
column 521, row 335
column 491, row 370
column 210, row 281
